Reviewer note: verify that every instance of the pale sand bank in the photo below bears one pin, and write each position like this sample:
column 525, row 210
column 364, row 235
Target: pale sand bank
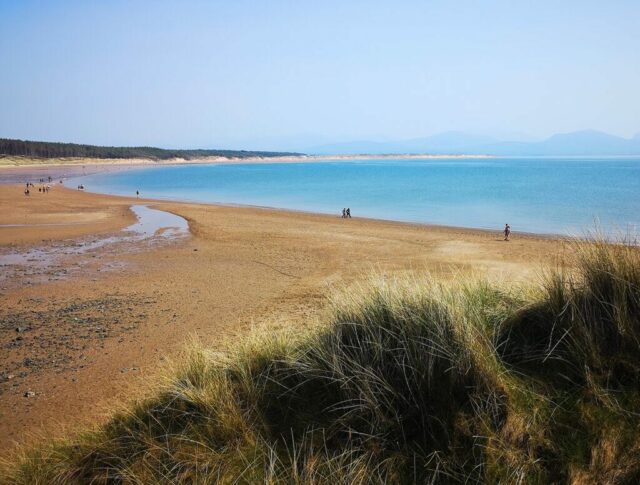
column 8, row 162
column 23, row 169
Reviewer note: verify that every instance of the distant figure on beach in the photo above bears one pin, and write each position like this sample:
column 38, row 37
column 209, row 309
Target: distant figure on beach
column 344, row 213
column 349, row 212
column 507, row 231
column 137, row 194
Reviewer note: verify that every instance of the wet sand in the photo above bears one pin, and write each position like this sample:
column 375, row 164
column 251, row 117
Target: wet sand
column 75, row 344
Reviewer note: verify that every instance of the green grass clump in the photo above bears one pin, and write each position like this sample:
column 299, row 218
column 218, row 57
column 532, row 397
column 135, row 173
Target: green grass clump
column 584, row 325
column 411, row 381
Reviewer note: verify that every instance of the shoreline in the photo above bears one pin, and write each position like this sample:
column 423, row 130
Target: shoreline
column 293, row 212
column 17, row 175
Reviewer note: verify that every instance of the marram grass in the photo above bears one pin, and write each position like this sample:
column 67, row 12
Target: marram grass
column 410, row 381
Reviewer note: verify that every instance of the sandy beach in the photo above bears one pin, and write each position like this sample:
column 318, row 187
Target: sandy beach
column 283, row 244
column 90, row 332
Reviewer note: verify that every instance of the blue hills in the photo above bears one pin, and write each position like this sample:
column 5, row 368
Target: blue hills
column 578, row 143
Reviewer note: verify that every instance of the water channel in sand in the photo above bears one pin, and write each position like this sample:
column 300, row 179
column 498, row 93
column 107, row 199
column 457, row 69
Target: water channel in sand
column 153, row 226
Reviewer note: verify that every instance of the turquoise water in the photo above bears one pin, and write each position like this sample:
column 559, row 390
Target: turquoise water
column 543, row 195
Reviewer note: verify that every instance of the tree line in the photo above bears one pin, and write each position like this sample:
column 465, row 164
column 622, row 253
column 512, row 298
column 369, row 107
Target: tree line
column 42, row 149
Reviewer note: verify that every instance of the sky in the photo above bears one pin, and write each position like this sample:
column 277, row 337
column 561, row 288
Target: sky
column 284, row 74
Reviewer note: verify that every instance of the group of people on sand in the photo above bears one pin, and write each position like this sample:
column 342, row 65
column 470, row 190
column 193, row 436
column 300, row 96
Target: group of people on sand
column 43, row 189
column 346, row 213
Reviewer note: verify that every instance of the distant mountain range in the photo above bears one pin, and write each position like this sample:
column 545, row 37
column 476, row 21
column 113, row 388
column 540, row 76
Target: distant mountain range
column 587, row 142
column 578, row 143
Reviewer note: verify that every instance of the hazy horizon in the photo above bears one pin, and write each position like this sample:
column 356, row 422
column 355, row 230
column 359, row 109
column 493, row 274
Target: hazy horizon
column 300, row 74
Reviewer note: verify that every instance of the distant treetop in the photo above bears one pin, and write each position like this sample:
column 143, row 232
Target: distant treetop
column 42, row 149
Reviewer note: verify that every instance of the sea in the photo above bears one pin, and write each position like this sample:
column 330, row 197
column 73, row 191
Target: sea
column 562, row 196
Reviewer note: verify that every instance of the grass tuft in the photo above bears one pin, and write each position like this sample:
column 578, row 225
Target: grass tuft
column 410, row 380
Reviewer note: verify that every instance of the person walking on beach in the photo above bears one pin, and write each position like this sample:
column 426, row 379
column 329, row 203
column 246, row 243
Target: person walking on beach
column 344, row 213
column 349, row 212
column 137, row 194
column 507, row 231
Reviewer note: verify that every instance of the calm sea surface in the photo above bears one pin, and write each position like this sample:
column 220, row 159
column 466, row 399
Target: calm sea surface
column 543, row 195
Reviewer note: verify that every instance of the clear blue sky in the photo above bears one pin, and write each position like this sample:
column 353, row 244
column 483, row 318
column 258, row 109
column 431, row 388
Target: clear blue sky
column 207, row 73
